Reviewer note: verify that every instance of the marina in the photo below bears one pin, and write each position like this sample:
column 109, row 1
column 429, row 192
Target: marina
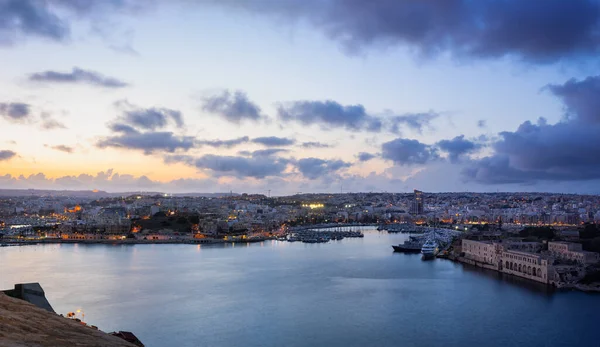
column 356, row 295
column 323, row 234
column 429, row 243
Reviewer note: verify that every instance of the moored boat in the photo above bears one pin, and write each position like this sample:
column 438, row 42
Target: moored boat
column 429, row 249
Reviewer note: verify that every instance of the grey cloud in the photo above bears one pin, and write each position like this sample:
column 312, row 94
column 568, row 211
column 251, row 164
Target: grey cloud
column 122, row 128
column 179, row 158
column 482, row 123
column 152, row 118
column 458, row 147
column 364, row 156
column 49, row 123
column 263, row 152
column 234, row 107
column 30, row 17
column 50, row 19
column 581, row 98
column 241, row 167
column 329, row 114
column 15, row 111
column 415, row 121
column 314, row 168
column 463, row 28
column 566, row 151
column 333, row 115
column 407, row 152
column 7, row 155
column 109, row 180
column 78, row 75
column 558, row 152
column 274, row 141
column 63, row 148
column 313, row 144
column 148, row 142
column 224, row 143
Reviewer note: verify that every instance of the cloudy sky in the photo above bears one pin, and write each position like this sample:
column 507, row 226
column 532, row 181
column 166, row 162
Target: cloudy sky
column 300, row 96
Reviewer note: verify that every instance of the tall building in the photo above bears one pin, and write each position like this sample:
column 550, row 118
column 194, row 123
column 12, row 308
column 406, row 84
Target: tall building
column 417, row 204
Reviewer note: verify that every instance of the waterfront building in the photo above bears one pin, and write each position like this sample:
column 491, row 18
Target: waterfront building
column 572, row 251
column 533, row 266
column 485, row 252
column 514, row 258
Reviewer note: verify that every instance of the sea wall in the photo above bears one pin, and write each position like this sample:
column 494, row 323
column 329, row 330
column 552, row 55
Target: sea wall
column 476, row 263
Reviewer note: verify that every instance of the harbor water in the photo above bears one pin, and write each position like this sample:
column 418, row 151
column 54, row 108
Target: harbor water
column 353, row 292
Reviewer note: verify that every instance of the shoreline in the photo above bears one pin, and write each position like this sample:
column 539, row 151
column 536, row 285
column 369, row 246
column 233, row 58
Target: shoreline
column 129, row 242
column 593, row 289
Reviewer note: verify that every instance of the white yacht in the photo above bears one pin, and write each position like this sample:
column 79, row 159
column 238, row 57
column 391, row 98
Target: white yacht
column 429, row 249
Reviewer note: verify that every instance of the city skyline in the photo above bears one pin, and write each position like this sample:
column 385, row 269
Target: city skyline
column 251, row 96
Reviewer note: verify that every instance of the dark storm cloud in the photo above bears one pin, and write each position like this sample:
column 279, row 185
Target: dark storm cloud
column 364, row 156
column 234, row 107
column 78, row 75
column 274, row 141
column 581, row 98
column 148, row 142
column 329, row 114
column 458, row 147
column 527, row 30
column 241, row 167
column 416, row 121
column 407, row 152
column 566, row 151
column 7, row 155
column 152, row 118
column 313, row 144
column 15, row 111
column 314, row 168
column 224, row 143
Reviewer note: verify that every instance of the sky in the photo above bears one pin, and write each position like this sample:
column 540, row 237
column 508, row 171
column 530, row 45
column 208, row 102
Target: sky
column 313, row 96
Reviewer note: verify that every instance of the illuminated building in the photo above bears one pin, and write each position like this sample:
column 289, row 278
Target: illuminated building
column 417, row 204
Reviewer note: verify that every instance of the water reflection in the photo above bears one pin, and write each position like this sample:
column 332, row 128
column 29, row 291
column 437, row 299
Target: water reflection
column 539, row 288
column 355, row 292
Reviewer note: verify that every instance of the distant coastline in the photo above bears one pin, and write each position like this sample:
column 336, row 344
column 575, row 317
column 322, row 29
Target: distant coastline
column 8, row 243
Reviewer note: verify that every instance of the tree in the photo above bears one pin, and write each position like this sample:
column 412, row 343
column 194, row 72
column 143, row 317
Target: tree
column 194, row 219
column 545, row 233
column 589, row 231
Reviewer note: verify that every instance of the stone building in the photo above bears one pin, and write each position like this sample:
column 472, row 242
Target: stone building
column 515, row 258
column 572, row 251
column 533, row 266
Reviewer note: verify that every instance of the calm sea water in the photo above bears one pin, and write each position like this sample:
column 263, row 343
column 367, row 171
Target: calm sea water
column 354, row 292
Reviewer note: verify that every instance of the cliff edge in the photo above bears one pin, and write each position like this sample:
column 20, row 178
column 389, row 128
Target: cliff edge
column 24, row 324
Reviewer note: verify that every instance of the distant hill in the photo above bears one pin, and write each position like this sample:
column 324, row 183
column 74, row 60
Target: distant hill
column 99, row 194
column 42, row 192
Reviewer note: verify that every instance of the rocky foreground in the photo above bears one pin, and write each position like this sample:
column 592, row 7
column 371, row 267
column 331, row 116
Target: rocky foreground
column 24, row 324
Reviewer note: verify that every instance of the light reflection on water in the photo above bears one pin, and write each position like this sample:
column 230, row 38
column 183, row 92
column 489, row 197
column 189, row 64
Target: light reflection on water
column 354, row 292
